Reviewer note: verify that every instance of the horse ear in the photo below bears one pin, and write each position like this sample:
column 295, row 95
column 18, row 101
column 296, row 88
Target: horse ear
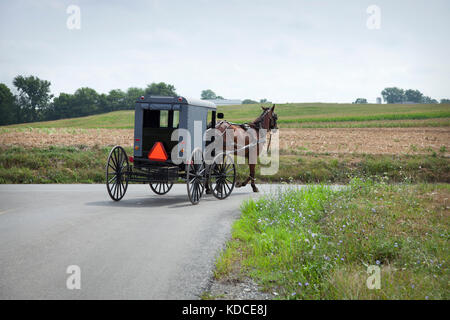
column 273, row 108
column 264, row 108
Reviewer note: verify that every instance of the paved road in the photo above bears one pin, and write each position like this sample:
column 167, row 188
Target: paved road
column 143, row 247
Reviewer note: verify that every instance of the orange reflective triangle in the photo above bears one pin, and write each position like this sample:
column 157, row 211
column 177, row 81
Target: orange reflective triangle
column 158, row 153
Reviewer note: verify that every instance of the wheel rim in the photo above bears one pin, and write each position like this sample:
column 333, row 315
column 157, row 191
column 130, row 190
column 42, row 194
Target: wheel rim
column 161, row 188
column 116, row 178
column 222, row 177
column 195, row 173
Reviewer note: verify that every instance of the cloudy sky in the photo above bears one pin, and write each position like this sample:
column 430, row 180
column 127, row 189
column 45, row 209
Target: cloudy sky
column 286, row 51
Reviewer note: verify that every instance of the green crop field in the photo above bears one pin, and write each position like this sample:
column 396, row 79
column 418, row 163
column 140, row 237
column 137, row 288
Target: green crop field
column 291, row 114
column 334, row 112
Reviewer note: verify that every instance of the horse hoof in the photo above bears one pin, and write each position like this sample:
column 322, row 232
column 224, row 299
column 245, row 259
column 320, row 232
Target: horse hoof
column 255, row 190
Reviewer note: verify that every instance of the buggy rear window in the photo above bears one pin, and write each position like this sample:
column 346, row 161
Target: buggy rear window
column 161, row 118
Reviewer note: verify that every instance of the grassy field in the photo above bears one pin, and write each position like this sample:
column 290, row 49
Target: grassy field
column 75, row 150
column 111, row 120
column 81, row 164
column 290, row 115
column 317, row 243
column 334, row 112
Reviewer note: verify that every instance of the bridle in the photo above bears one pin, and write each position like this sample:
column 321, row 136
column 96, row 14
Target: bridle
column 272, row 125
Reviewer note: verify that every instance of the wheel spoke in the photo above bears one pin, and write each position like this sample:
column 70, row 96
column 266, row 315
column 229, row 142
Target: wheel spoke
column 123, row 186
column 113, row 178
column 110, row 166
column 114, row 158
column 194, row 195
column 115, row 190
column 119, row 192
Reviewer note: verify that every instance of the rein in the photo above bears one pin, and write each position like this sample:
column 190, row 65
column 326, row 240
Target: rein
column 270, row 141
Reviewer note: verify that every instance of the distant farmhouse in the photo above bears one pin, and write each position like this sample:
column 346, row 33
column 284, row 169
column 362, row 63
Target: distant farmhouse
column 225, row 102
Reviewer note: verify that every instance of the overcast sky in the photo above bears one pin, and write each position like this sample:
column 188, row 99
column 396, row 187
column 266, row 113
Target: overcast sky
column 286, row 51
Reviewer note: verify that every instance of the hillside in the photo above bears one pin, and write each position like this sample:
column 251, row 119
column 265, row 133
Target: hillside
column 290, row 114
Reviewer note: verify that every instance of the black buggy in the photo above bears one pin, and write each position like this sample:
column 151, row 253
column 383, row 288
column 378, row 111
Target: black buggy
column 156, row 119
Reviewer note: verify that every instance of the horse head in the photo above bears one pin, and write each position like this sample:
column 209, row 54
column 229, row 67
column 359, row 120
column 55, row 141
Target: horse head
column 268, row 119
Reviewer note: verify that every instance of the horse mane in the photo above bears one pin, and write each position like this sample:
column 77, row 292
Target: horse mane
column 257, row 122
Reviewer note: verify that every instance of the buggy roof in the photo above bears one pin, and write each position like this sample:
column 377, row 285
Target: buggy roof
column 177, row 100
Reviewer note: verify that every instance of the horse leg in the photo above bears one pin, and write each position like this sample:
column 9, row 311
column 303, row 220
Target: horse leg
column 243, row 183
column 207, row 189
column 252, row 177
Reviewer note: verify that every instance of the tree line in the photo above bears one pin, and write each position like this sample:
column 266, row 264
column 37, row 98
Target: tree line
column 398, row 95
column 34, row 101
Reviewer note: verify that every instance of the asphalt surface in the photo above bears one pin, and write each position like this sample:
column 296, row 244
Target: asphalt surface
column 144, row 247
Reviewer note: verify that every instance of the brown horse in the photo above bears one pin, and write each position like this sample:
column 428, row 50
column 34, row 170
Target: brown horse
column 267, row 120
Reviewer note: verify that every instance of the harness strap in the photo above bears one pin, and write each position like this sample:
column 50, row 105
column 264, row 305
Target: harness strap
column 270, row 141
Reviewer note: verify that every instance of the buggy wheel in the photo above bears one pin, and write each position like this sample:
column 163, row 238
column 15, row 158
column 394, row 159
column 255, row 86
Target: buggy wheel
column 161, row 187
column 222, row 176
column 195, row 176
column 116, row 173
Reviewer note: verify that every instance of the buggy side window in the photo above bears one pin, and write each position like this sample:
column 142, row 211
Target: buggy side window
column 164, row 119
column 176, row 118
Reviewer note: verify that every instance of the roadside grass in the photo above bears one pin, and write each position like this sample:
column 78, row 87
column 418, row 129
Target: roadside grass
column 53, row 165
column 83, row 164
column 328, row 168
column 316, row 243
column 290, row 115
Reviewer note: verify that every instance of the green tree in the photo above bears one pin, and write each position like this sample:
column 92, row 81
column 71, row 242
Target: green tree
column 413, row 95
column 428, row 100
column 249, row 101
column 34, row 97
column 62, row 107
column 208, row 94
column 117, row 99
column 8, row 107
column 103, row 103
column 86, row 102
column 445, row 100
column 360, row 101
column 133, row 94
column 393, row 95
column 161, row 89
